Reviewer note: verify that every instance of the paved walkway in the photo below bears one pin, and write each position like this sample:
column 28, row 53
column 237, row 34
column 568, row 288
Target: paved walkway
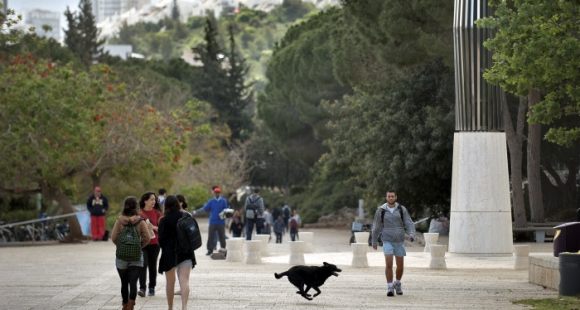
column 83, row 276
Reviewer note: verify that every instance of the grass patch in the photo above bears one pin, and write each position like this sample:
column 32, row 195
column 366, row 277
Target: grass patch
column 559, row 303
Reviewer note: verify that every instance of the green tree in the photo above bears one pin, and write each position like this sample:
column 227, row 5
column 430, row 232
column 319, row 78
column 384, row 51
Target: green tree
column 300, row 75
column 82, row 35
column 399, row 139
column 175, row 11
column 404, row 32
column 239, row 92
column 535, row 49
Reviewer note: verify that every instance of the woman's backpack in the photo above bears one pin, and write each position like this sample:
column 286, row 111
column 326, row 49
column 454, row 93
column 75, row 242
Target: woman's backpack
column 188, row 234
column 129, row 243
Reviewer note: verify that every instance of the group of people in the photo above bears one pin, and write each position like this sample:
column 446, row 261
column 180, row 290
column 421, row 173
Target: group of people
column 156, row 220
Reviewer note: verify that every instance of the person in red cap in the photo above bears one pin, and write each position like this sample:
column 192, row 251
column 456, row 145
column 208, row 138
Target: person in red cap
column 215, row 206
column 97, row 206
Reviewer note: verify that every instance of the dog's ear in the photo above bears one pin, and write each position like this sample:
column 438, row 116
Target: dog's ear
column 325, row 263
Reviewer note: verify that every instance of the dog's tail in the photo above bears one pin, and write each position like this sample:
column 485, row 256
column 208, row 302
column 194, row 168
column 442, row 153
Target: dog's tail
column 278, row 276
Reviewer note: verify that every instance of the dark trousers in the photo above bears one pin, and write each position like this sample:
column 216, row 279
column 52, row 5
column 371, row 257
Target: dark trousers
column 286, row 223
column 150, row 254
column 221, row 231
column 250, row 227
column 294, row 234
column 129, row 282
column 278, row 237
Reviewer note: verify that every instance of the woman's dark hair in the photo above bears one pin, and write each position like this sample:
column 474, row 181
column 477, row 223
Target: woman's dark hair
column 130, row 206
column 171, row 204
column 146, row 197
column 181, row 199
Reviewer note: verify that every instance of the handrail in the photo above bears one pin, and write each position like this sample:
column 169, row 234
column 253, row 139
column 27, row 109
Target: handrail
column 42, row 219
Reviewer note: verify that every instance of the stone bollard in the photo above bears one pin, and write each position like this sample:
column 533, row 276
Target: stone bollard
column 361, row 237
column 265, row 238
column 307, row 237
column 437, row 257
column 359, row 255
column 430, row 239
column 522, row 255
column 253, row 252
column 297, row 252
column 234, row 247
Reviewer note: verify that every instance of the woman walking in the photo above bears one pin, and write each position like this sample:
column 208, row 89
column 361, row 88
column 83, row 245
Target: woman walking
column 151, row 213
column 171, row 257
column 129, row 270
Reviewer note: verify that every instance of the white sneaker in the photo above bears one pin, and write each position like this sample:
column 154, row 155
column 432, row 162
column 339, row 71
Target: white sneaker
column 398, row 288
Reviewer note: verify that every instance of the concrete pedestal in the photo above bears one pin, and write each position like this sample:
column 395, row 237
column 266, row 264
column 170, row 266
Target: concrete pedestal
column 297, row 252
column 307, row 237
column 480, row 196
column 430, row 239
column 437, row 257
column 359, row 255
column 253, row 252
column 264, row 247
column 522, row 257
column 361, row 237
column 234, row 247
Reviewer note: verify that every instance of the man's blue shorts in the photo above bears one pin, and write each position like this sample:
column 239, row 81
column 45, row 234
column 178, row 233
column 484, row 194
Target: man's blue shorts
column 394, row 248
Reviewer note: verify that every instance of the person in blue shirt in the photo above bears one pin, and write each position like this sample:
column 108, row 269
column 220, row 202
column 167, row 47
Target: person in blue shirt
column 215, row 206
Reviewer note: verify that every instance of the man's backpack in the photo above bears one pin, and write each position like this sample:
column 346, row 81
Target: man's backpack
column 129, row 243
column 293, row 223
column 188, row 234
column 253, row 208
column 286, row 212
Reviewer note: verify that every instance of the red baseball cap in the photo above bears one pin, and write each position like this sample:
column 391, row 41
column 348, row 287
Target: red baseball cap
column 97, row 189
column 217, row 190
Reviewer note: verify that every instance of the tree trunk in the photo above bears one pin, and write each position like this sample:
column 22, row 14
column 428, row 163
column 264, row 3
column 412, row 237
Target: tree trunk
column 534, row 169
column 52, row 193
column 96, row 177
column 515, row 140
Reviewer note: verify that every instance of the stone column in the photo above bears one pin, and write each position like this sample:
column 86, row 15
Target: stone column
column 437, row 257
column 265, row 238
column 359, row 255
column 362, row 237
column 480, row 194
column 522, row 257
column 430, row 239
column 297, row 252
column 307, row 237
column 253, row 252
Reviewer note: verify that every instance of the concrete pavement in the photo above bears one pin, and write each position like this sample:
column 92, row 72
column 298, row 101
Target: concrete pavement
column 83, row 276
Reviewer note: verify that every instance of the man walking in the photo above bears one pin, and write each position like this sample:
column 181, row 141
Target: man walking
column 391, row 221
column 97, row 206
column 254, row 213
column 216, row 224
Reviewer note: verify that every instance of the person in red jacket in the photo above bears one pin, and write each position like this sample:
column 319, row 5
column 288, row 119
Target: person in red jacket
column 97, row 204
column 151, row 213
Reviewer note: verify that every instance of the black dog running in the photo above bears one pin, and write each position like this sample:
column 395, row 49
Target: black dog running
column 309, row 276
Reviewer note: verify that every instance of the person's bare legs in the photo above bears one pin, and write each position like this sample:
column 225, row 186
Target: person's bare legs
column 389, row 268
column 400, row 260
column 183, row 274
column 170, row 282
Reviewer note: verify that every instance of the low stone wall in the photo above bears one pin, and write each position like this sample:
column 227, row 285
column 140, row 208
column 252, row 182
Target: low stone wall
column 544, row 271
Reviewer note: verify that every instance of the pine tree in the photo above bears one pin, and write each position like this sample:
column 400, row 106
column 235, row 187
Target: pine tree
column 239, row 93
column 82, row 36
column 175, row 11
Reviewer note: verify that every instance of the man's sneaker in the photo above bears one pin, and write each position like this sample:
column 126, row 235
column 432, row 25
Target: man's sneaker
column 390, row 292
column 151, row 292
column 209, row 253
column 141, row 293
column 398, row 288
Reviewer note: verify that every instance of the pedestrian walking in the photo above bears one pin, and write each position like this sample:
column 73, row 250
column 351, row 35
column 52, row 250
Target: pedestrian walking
column 215, row 206
column 279, row 228
column 171, row 257
column 129, row 270
column 286, row 214
column 391, row 221
column 151, row 213
column 254, row 210
column 97, row 204
column 294, row 223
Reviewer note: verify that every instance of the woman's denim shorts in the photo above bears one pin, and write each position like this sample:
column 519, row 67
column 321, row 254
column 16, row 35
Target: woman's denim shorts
column 121, row 264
